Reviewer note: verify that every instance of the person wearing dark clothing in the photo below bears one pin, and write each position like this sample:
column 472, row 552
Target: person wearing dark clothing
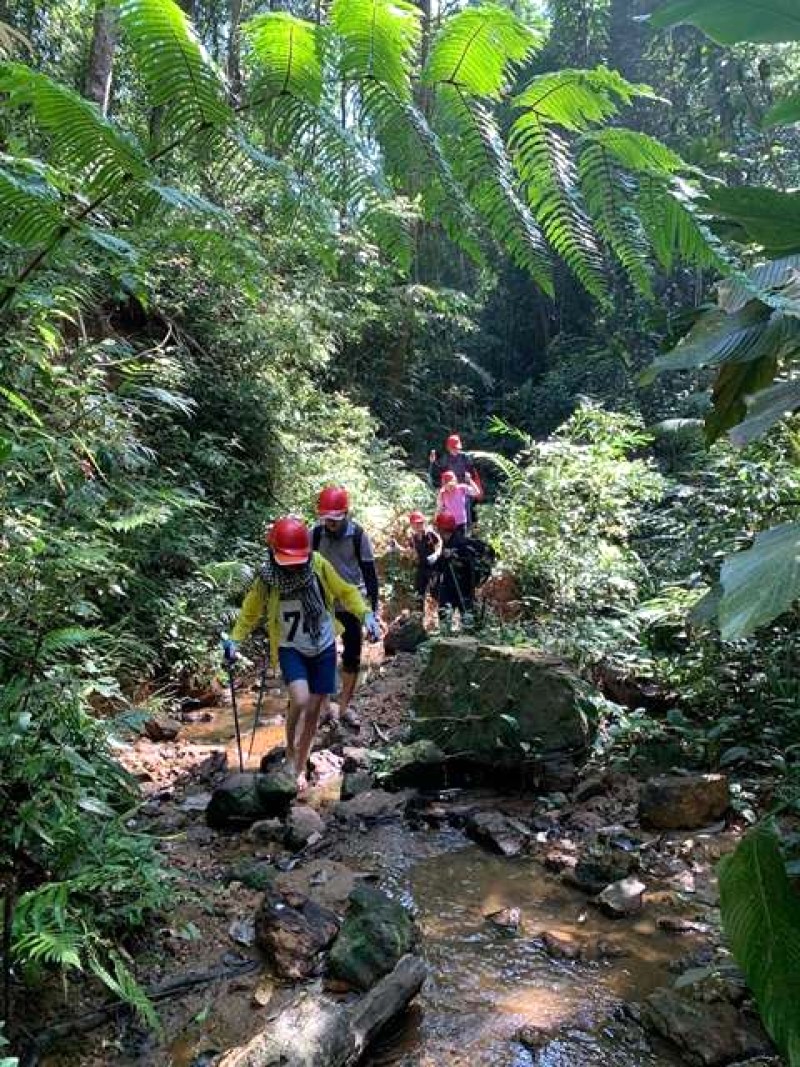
column 456, row 588
column 427, row 545
column 346, row 546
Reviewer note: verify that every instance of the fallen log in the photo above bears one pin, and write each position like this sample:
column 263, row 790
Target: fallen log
column 314, row 1031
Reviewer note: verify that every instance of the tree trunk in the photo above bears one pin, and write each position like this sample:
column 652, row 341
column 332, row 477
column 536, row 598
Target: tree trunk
column 101, row 56
column 234, row 65
column 317, row 1032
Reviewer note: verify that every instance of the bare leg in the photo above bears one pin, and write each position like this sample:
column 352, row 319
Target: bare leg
column 298, row 704
column 348, row 688
column 305, row 740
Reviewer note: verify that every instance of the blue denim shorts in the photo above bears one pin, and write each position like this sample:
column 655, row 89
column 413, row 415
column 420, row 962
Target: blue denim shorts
column 319, row 671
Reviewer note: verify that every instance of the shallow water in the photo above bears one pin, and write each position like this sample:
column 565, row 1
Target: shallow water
column 486, row 984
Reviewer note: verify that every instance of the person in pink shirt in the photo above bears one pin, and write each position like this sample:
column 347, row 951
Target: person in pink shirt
column 454, row 496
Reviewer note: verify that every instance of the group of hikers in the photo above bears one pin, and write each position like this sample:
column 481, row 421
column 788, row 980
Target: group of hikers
column 319, row 582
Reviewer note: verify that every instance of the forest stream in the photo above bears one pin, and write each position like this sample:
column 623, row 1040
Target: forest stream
column 523, row 968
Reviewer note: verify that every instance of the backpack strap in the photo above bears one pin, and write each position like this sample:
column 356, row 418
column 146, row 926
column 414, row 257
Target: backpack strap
column 358, row 542
column 316, row 538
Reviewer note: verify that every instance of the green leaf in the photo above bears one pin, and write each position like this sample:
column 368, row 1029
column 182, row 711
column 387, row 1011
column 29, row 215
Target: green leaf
column 20, row 404
column 761, row 917
column 477, row 48
column 287, row 57
column 95, row 806
column 67, row 637
column 784, row 113
column 579, row 99
column 379, row 38
column 732, row 21
column 760, row 583
column 30, row 209
column 178, row 72
column 769, row 217
column 735, row 382
column 765, row 409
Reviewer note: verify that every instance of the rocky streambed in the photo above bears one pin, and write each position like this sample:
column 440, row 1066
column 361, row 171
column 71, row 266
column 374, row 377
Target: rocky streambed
column 575, row 926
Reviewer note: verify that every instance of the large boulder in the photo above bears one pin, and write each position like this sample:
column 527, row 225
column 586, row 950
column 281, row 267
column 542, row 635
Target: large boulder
column 472, row 694
column 420, row 765
column 683, row 801
column 376, row 932
column 710, row 1034
column 243, row 799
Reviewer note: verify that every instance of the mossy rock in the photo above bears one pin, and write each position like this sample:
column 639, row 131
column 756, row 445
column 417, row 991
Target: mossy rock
column 243, row 799
column 499, row 703
column 376, row 933
column 420, row 764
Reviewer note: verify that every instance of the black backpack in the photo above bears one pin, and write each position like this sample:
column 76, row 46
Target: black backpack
column 482, row 558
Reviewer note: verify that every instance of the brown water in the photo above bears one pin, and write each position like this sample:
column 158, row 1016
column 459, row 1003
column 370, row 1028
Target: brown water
column 486, row 984
column 221, row 730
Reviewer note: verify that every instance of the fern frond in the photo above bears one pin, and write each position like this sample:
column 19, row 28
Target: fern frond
column 179, row 74
column 543, row 159
column 637, row 152
column 31, row 211
column 676, row 228
column 94, row 150
column 477, row 49
column 11, row 40
column 608, row 193
column 380, row 39
column 579, row 99
column 51, row 945
column 286, row 57
column 125, row 986
column 484, row 170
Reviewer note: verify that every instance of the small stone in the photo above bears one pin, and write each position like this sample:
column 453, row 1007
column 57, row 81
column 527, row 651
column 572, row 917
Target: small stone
column 355, row 783
column 162, row 728
column 266, row 831
column 502, row 834
column 405, row 634
column 675, row 924
column 534, row 1037
column 243, row 932
column 263, row 993
column 559, row 946
column 302, row 824
column 622, row 898
column 508, row 919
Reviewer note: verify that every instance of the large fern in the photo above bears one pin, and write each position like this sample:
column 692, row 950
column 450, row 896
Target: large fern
column 31, row 211
column 380, row 39
column 761, row 917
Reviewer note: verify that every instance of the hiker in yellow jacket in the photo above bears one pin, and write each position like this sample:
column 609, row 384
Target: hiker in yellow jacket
column 295, row 593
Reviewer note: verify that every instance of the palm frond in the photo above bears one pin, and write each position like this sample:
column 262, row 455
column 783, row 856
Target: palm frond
column 179, row 74
column 477, row 48
column 380, row 39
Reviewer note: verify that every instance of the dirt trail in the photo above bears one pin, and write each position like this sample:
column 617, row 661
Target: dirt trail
column 565, row 968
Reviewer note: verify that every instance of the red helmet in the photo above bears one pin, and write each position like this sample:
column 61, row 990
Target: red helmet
column 290, row 541
column 453, row 441
column 333, row 502
column 445, row 522
column 416, row 516
column 448, row 477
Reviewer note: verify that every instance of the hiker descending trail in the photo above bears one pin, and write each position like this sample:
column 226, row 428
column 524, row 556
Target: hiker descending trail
column 296, row 592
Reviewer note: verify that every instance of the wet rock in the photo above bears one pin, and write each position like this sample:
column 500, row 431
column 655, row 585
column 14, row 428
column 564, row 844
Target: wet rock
column 326, row 882
column 684, row 802
column 586, row 822
column 675, row 924
column 507, row 836
column 589, row 788
column 558, row 774
column 622, row 898
column 405, row 634
column 195, row 802
column 272, row 760
column 302, row 825
column 634, row 692
column 325, row 764
column 199, row 835
column 474, row 683
column 534, row 1037
column 162, row 728
column 559, row 946
column 710, row 1034
column 421, row 765
column 594, row 871
column 292, row 930
column 506, row 919
column 376, row 932
column 373, row 806
column 243, row 799
column 559, row 859
column 355, row 783
column 254, row 874
column 266, row 831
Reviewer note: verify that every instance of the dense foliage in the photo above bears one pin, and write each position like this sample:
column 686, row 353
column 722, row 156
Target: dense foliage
column 246, row 252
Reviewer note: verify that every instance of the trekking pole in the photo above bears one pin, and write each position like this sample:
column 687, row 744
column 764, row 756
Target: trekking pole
column 461, row 604
column 236, row 717
column 261, row 689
